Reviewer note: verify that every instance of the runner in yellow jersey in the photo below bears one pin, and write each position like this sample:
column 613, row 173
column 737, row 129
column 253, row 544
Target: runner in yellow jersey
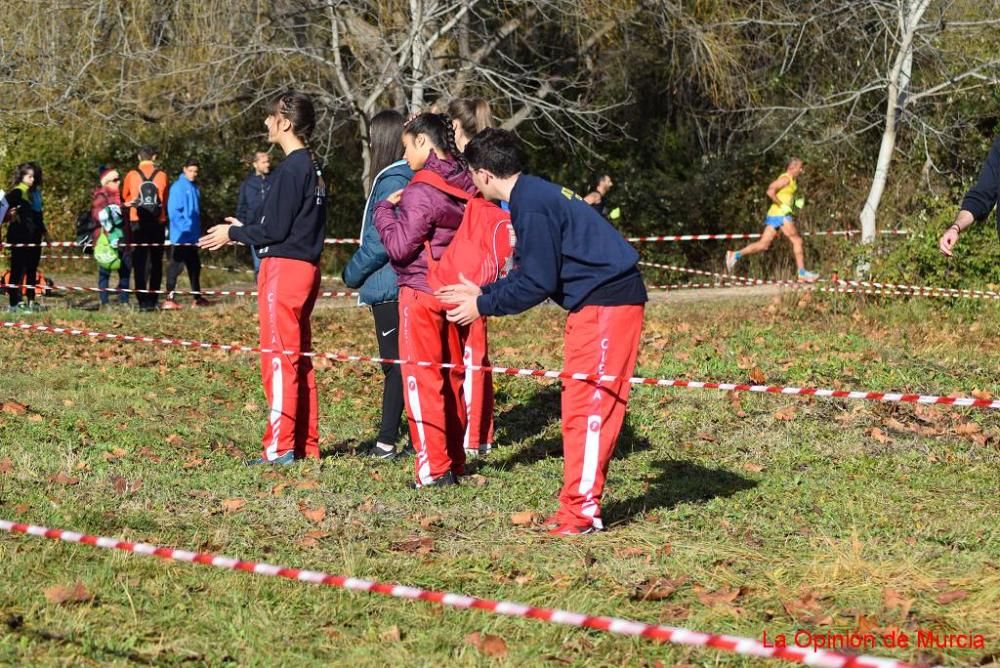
column 781, row 192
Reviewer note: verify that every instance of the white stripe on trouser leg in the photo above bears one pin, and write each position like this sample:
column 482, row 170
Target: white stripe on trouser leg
column 423, row 462
column 588, row 477
column 467, row 390
column 277, row 403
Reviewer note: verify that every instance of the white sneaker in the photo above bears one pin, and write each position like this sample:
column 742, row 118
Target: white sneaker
column 731, row 260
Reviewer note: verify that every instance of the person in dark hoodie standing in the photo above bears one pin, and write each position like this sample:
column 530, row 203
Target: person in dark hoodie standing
column 25, row 226
column 415, row 223
column 369, row 270
column 981, row 199
column 288, row 235
column 184, row 215
column 567, row 252
column 252, row 192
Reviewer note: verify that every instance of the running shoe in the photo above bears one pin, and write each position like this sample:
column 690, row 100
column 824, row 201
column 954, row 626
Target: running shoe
column 447, row 480
column 201, row 301
column 475, row 453
column 171, row 305
column 806, row 276
column 731, row 260
column 571, row 530
column 283, row 460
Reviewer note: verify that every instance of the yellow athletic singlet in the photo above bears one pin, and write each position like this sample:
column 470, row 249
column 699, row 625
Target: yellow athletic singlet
column 785, row 196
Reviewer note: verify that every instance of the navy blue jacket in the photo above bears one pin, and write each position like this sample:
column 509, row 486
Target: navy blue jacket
column 369, row 267
column 291, row 222
column 252, row 192
column 566, row 251
column 983, row 197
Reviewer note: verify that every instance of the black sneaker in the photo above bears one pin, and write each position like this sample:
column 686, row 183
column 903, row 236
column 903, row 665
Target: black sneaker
column 447, row 480
column 376, row 452
column 407, row 451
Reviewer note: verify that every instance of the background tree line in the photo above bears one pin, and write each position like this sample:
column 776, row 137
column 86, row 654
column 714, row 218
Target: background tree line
column 692, row 105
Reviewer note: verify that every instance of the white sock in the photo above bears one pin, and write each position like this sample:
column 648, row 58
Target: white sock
column 384, row 447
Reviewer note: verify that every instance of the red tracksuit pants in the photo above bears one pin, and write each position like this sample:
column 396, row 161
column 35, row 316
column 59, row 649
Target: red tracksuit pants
column 477, row 387
column 600, row 340
column 288, row 291
column 435, row 406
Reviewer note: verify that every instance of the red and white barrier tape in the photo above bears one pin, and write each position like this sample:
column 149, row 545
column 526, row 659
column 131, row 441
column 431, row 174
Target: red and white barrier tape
column 894, row 397
column 751, row 235
column 164, row 244
column 614, row 625
column 201, row 293
column 870, row 287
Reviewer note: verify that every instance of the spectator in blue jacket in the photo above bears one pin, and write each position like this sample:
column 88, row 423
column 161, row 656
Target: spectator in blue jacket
column 369, row 270
column 252, row 192
column 184, row 215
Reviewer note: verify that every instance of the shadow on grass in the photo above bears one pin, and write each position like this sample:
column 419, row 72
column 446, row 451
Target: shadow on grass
column 673, row 483
column 527, row 419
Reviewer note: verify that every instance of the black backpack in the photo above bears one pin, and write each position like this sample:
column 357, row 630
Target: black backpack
column 85, row 227
column 149, row 194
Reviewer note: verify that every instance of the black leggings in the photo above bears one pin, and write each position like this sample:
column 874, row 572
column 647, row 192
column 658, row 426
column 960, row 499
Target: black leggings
column 387, row 333
column 180, row 257
column 147, row 261
column 23, row 265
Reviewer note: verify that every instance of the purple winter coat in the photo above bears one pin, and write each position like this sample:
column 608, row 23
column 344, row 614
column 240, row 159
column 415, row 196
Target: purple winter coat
column 424, row 213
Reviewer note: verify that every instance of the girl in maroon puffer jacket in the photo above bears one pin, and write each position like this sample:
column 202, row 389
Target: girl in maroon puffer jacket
column 412, row 223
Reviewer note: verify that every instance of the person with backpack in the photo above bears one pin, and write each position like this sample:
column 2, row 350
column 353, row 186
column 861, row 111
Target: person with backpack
column 25, row 225
column 251, row 196
column 109, row 238
column 416, row 224
column 470, row 116
column 145, row 194
column 184, row 214
column 288, row 234
column 567, row 252
column 369, row 270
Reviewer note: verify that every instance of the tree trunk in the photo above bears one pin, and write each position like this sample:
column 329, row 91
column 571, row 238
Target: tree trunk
column 899, row 80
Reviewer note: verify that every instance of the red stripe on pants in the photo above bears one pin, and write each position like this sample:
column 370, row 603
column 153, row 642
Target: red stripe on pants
column 435, row 408
column 477, row 386
column 288, row 291
column 602, row 340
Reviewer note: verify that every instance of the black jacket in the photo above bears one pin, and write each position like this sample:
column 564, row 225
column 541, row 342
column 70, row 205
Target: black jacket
column 292, row 218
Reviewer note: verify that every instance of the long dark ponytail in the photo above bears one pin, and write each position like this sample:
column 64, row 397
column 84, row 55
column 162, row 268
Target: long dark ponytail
column 437, row 128
column 384, row 132
column 299, row 110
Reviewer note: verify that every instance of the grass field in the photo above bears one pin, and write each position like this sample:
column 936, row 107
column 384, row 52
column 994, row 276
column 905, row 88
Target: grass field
column 739, row 515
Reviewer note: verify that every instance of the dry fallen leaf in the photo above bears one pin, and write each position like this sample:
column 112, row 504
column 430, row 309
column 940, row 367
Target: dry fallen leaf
column 417, row 545
column 391, row 634
column 232, row 505
column 896, row 425
column 982, row 395
column 878, row 436
column 523, row 518
column 951, row 596
column 734, row 401
column 315, row 515
column 753, row 468
column 631, row 552
column 475, row 480
column 63, row 479
column 174, row 439
column 786, row 414
column 6, row 465
column 657, row 589
column 757, row 376
column 76, row 593
column 723, row 596
column 14, row 408
column 307, row 484
column 968, row 428
column 893, row 600
column 488, row 644
column 430, row 521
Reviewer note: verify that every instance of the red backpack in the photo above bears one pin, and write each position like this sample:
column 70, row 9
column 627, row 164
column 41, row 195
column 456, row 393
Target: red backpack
column 482, row 249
